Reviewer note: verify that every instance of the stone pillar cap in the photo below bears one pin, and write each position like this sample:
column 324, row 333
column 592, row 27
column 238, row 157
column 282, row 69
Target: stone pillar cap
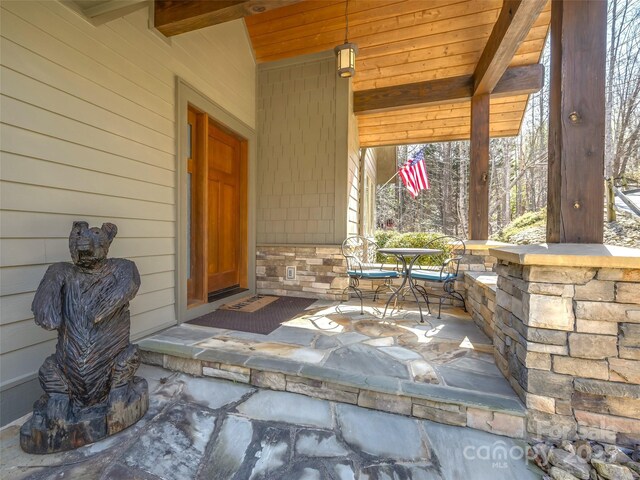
column 485, row 244
column 570, row 255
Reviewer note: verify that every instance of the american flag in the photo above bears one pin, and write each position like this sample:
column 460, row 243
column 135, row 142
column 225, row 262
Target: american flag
column 414, row 174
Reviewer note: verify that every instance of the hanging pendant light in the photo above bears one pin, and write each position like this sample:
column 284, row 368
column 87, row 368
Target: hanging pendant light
column 346, row 53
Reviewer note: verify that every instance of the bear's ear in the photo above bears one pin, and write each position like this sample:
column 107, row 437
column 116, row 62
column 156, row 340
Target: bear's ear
column 110, row 229
column 80, row 224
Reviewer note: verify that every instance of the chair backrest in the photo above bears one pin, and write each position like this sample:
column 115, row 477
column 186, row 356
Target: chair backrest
column 359, row 252
column 453, row 248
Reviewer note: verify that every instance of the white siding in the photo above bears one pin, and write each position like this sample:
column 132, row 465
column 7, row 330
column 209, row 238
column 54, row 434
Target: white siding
column 88, row 132
column 354, row 203
column 368, row 193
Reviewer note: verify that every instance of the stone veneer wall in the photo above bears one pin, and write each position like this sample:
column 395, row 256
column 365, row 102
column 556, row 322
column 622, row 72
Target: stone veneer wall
column 477, row 257
column 480, row 295
column 568, row 340
column 320, row 271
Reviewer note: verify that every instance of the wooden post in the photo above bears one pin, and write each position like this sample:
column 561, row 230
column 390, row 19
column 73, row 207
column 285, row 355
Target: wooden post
column 479, row 169
column 576, row 122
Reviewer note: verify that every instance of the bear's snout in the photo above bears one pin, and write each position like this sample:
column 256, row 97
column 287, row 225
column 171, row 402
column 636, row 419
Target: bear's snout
column 84, row 244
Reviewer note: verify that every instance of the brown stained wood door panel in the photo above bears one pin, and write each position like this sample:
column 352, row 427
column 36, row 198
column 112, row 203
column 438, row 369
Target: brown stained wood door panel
column 192, row 280
column 213, row 190
column 224, row 217
column 197, row 219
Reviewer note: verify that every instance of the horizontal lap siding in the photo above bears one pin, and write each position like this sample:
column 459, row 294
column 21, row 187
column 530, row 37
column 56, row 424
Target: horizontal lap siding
column 370, row 171
column 354, row 202
column 87, row 131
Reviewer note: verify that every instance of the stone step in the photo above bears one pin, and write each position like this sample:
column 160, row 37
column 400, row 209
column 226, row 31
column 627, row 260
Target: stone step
column 211, row 428
column 494, row 413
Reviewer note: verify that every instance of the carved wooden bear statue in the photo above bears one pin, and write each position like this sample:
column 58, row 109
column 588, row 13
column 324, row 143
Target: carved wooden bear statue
column 90, row 388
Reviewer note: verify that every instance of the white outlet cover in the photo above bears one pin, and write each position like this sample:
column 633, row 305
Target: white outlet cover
column 291, row 273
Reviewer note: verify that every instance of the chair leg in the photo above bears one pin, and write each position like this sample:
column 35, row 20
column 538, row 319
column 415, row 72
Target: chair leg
column 451, row 293
column 424, row 294
column 385, row 286
column 359, row 294
column 353, row 285
column 459, row 296
column 375, row 294
column 354, row 282
column 453, row 296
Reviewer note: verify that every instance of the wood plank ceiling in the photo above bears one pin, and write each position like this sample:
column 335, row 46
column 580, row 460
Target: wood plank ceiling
column 401, row 42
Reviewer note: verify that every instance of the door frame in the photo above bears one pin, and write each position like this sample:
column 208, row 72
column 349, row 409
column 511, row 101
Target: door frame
column 187, row 95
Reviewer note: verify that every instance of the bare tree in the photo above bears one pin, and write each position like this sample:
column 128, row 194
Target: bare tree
column 623, row 90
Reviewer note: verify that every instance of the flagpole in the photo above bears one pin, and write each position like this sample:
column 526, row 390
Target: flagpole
column 387, row 182
column 394, row 176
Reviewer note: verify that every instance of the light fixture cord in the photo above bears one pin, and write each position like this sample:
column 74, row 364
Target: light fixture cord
column 346, row 19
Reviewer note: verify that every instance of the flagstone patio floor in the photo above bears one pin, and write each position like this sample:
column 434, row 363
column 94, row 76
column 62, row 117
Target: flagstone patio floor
column 443, row 371
column 201, row 428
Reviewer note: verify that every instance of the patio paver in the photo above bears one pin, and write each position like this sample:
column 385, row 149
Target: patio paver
column 236, row 436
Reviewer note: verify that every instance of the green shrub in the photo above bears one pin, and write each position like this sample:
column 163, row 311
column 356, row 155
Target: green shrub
column 523, row 222
column 381, row 237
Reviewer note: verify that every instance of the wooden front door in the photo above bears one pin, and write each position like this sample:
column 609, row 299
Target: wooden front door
column 217, row 216
column 224, row 185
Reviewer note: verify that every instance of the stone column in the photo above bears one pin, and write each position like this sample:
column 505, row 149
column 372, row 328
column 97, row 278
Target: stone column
column 567, row 337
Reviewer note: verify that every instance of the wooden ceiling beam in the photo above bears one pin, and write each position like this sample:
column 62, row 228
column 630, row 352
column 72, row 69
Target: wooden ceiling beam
column 173, row 17
column 515, row 81
column 514, row 23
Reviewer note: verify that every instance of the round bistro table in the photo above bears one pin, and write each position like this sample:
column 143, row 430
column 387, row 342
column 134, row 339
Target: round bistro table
column 408, row 257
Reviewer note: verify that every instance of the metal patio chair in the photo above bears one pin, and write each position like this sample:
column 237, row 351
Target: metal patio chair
column 445, row 273
column 360, row 254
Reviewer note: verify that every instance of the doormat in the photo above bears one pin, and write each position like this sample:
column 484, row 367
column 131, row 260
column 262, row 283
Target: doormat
column 264, row 320
column 249, row 304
